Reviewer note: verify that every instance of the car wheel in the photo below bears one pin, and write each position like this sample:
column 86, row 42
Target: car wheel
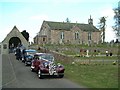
column 25, row 63
column 61, row 76
column 39, row 74
column 32, row 70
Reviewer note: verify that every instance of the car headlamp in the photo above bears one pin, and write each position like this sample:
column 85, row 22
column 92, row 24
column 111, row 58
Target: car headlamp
column 45, row 64
column 58, row 64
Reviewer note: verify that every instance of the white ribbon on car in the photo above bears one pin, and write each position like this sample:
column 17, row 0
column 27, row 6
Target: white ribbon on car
column 51, row 68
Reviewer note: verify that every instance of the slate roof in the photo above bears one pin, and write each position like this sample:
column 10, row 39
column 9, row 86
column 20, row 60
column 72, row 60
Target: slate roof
column 69, row 26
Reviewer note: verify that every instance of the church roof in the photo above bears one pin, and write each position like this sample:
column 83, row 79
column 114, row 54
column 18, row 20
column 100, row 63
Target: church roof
column 69, row 26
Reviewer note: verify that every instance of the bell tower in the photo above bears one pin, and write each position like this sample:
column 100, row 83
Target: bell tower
column 90, row 20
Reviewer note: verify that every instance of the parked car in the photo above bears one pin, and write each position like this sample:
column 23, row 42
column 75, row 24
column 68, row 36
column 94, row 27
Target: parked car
column 44, row 64
column 28, row 57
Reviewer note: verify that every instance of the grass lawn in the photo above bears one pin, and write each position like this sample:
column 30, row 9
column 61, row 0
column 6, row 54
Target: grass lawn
column 93, row 76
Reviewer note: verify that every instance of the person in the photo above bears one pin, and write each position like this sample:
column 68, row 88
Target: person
column 95, row 52
column 84, row 52
column 18, row 53
column 106, row 52
column 81, row 52
column 110, row 53
column 24, row 53
column 99, row 52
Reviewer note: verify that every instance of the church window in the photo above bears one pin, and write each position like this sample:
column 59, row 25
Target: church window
column 43, row 39
column 76, row 35
column 89, row 35
column 62, row 35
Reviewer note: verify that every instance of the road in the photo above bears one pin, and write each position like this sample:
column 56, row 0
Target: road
column 0, row 71
column 16, row 75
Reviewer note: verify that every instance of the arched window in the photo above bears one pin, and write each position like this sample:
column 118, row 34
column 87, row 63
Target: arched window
column 76, row 35
column 89, row 36
column 62, row 35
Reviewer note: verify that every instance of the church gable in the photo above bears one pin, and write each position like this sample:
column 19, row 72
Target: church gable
column 14, row 33
column 75, row 29
column 10, row 39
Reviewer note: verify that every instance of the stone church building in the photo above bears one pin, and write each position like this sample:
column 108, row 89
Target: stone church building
column 67, row 33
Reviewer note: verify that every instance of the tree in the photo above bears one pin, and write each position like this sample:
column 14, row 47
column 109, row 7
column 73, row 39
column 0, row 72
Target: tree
column 67, row 20
column 25, row 34
column 102, row 27
column 116, row 27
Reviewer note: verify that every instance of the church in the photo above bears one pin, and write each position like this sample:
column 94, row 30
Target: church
column 68, row 33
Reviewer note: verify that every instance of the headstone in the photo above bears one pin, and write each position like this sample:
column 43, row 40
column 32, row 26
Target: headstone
column 87, row 53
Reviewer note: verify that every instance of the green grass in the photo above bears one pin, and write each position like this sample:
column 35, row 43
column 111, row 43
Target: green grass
column 69, row 52
column 92, row 76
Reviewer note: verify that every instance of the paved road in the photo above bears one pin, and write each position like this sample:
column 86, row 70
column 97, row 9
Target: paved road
column 16, row 75
column 0, row 71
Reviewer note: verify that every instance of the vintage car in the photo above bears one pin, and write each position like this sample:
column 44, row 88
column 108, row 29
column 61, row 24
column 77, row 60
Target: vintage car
column 28, row 57
column 44, row 65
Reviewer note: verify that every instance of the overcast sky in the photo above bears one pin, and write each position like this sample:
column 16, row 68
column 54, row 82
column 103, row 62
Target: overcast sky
column 29, row 14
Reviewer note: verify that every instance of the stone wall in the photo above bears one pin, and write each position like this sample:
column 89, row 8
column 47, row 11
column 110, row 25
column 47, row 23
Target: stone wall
column 96, row 37
column 58, row 56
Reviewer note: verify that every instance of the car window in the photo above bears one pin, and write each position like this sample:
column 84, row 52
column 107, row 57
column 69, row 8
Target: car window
column 36, row 57
column 31, row 52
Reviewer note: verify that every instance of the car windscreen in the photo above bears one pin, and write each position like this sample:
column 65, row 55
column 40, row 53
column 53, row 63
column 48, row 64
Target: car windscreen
column 31, row 52
column 47, row 57
column 29, row 56
column 28, row 53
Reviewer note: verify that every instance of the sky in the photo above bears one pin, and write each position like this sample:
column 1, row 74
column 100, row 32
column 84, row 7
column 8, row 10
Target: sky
column 29, row 14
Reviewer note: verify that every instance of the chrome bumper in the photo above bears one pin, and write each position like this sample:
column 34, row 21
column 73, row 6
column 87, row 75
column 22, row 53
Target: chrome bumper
column 32, row 67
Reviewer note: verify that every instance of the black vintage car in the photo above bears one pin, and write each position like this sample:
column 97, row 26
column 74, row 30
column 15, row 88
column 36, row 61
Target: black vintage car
column 29, row 54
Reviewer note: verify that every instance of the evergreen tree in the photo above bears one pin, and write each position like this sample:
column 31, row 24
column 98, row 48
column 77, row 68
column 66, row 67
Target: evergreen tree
column 25, row 34
column 67, row 20
column 102, row 27
column 116, row 27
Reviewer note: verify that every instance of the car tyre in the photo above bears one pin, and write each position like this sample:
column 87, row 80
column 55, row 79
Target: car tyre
column 39, row 74
column 26, row 64
column 32, row 70
column 61, row 76
column 23, row 61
